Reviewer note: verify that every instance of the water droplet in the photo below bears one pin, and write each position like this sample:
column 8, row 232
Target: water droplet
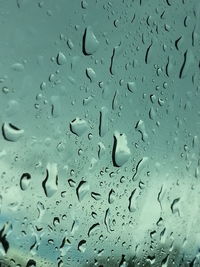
column 82, row 189
column 70, row 44
column 90, row 42
column 103, row 121
column 111, row 196
column 25, row 181
column 65, row 246
column 55, row 107
column 31, row 263
column 71, row 183
column 117, row 50
column 101, row 150
column 41, row 210
column 132, row 200
column 4, row 242
column 81, row 245
column 148, row 53
column 139, row 167
column 175, row 206
column 56, row 221
column 107, row 221
column 93, row 228
column 188, row 60
column 11, row 132
column 121, row 151
column 140, row 127
column 163, row 236
column 75, row 227
column 87, row 100
column 78, row 126
column 131, row 86
column 152, row 113
column 96, row 196
column 164, row 262
column 61, row 59
column 50, row 183
column 84, row 4
column 91, row 74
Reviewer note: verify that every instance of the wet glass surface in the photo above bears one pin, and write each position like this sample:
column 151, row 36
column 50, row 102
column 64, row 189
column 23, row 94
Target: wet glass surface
column 100, row 123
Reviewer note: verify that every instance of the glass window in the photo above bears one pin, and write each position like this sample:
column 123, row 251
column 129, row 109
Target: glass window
column 99, row 141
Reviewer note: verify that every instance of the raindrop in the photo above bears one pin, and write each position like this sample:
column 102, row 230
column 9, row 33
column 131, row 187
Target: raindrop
column 139, row 167
column 103, row 121
column 111, row 196
column 101, row 150
column 25, row 181
column 50, row 183
column 131, row 86
column 71, row 183
column 117, row 50
column 93, row 228
column 96, row 196
column 91, row 74
column 61, row 59
column 175, row 206
column 132, row 200
column 78, row 126
column 81, row 245
column 140, row 127
column 90, row 42
column 121, row 152
column 82, row 189
column 11, row 132
column 31, row 263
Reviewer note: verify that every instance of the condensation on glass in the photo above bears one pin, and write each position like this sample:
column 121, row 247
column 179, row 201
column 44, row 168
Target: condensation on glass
column 99, row 141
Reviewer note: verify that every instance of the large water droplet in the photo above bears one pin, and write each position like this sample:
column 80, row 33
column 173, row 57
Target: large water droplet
column 78, row 126
column 121, row 151
column 82, row 190
column 61, row 59
column 81, row 245
column 140, row 127
column 103, row 121
column 90, row 42
column 132, row 200
column 25, row 181
column 50, row 183
column 11, row 132
column 91, row 74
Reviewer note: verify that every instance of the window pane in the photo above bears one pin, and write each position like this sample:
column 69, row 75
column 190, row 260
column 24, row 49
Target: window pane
column 99, row 146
